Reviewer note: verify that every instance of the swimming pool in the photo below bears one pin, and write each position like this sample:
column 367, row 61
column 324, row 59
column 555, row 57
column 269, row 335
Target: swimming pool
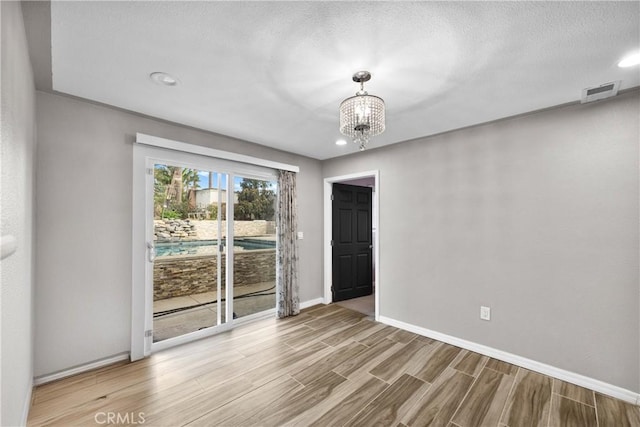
column 210, row 247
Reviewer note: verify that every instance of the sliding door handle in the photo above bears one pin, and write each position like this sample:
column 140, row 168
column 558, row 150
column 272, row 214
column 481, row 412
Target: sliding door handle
column 151, row 251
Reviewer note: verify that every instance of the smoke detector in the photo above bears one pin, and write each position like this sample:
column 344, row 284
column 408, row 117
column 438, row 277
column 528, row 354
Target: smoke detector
column 603, row 91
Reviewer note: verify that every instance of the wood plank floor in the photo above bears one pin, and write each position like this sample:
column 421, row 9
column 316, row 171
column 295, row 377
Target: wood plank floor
column 329, row 366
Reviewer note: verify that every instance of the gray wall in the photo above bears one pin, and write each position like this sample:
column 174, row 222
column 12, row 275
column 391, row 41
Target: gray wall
column 85, row 157
column 16, row 203
column 536, row 217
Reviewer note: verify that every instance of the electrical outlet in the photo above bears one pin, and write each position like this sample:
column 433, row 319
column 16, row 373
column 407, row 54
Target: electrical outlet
column 485, row 313
column 300, row 235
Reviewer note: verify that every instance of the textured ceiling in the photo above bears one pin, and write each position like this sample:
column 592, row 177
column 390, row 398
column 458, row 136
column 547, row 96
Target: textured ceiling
column 274, row 73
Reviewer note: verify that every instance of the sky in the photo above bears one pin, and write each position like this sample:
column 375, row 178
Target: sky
column 204, row 180
column 222, row 177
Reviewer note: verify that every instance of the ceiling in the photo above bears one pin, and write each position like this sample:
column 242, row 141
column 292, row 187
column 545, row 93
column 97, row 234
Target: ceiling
column 274, row 73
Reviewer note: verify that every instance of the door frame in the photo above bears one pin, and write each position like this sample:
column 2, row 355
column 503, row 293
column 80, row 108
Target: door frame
column 328, row 228
column 142, row 292
column 146, row 146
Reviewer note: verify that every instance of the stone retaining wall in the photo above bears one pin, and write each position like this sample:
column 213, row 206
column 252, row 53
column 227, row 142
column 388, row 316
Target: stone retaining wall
column 185, row 275
column 167, row 230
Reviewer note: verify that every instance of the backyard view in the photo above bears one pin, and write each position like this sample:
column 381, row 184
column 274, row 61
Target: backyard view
column 190, row 226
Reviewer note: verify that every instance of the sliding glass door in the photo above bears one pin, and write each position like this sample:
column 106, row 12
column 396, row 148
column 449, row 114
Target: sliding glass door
column 254, row 246
column 206, row 258
column 189, row 239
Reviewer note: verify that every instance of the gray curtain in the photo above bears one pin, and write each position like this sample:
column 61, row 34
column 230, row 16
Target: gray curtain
column 288, row 302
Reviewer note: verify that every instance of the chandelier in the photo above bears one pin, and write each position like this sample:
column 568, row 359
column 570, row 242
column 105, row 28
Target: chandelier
column 362, row 116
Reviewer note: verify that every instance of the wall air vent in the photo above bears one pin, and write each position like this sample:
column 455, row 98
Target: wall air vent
column 606, row 90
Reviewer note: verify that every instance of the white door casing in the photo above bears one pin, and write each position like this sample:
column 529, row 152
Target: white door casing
column 147, row 152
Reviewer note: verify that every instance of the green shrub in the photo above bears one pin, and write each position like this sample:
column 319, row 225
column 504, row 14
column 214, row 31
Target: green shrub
column 169, row 214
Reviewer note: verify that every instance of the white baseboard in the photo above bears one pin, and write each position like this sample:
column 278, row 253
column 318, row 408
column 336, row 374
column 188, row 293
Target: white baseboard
column 80, row 369
column 552, row 371
column 125, row 356
column 311, row 303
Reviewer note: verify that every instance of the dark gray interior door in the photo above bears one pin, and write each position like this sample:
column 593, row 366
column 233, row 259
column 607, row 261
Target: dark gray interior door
column 352, row 242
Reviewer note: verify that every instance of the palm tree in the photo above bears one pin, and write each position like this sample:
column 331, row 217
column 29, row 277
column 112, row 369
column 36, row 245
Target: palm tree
column 171, row 185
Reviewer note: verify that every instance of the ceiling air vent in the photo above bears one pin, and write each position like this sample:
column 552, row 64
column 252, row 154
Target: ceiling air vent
column 606, row 90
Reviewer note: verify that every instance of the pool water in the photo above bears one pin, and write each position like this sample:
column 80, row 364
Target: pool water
column 210, row 247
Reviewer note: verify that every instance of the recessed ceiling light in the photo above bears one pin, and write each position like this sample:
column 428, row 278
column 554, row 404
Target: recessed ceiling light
column 163, row 78
column 341, row 142
column 630, row 60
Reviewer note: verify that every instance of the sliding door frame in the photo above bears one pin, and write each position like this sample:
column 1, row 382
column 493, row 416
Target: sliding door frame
column 147, row 151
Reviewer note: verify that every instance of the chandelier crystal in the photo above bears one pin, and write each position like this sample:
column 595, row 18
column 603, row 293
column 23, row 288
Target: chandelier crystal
column 362, row 115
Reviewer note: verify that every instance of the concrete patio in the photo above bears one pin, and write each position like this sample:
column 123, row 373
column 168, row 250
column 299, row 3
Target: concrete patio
column 173, row 317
